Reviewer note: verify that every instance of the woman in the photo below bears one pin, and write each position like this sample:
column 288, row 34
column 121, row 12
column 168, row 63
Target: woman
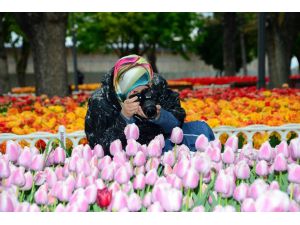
column 113, row 106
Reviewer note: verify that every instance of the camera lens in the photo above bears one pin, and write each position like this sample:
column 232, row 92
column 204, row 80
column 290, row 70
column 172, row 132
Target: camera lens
column 149, row 109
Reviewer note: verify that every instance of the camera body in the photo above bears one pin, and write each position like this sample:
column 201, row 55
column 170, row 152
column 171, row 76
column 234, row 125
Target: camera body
column 148, row 101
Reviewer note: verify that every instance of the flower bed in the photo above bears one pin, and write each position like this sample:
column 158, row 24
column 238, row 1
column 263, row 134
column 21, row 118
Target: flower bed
column 141, row 178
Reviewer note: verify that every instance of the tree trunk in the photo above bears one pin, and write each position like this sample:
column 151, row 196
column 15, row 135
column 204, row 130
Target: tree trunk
column 22, row 63
column 243, row 53
column 151, row 56
column 281, row 32
column 229, row 33
column 4, row 78
column 47, row 32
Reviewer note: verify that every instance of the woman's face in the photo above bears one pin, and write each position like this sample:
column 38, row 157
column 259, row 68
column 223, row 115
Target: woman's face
column 137, row 90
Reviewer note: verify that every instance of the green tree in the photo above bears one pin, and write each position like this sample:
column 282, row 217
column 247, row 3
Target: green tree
column 135, row 33
column 46, row 33
column 210, row 40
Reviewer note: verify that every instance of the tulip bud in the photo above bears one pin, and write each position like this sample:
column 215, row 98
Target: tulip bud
column 134, row 202
column 98, row 151
column 248, row 205
column 240, row 193
column 115, row 146
column 176, row 135
column 262, row 168
column 4, row 168
column 59, row 155
column 139, row 159
column 280, row 163
column 191, row 179
column 132, row 131
column 232, row 142
column 151, row 177
column 228, row 156
column 242, row 170
column 37, row 162
column 294, row 173
column 122, row 176
column 25, row 158
column 132, row 147
column 139, row 182
column 13, row 150
column 265, row 152
column 201, row 143
column 154, row 148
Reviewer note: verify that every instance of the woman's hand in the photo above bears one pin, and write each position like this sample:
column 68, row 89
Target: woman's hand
column 130, row 107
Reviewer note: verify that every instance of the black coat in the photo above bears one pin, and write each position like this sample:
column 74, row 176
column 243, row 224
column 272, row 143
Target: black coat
column 104, row 124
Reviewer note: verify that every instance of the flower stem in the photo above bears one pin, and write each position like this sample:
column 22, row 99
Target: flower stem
column 219, row 199
column 188, row 199
column 280, row 178
column 298, row 160
column 292, row 191
column 148, row 188
column 200, row 185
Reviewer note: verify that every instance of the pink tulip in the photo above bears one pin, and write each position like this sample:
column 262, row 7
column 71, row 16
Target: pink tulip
column 214, row 153
column 262, row 168
column 115, row 146
column 41, row 195
column 296, row 191
column 132, row 147
column 218, row 208
column 294, row 173
column 61, row 191
column 161, row 139
column 132, row 131
column 294, row 207
column 28, row 181
column 59, row 155
column 13, row 150
column 152, row 163
column 87, row 152
column 248, row 205
column 181, row 167
column 240, row 193
column 107, row 173
column 91, row 193
column 242, row 170
column 265, row 152
column 83, row 166
column 119, row 201
column 229, row 208
column 120, row 158
column 151, row 177
column 128, row 187
column 147, row 200
column 175, row 181
column 167, row 170
column 295, row 148
column 217, row 166
column 257, row 188
column 274, row 185
column 39, row 178
column 6, row 202
column 176, row 135
column 34, row 208
column 183, row 151
column 159, row 190
column 272, row 201
column 122, row 176
column 169, row 158
column 134, row 202
column 98, row 151
column 171, row 200
column 280, row 163
column 59, row 173
column 99, row 184
column 95, row 172
column 155, row 207
column 114, row 187
column 70, row 182
column 201, row 143
column 104, row 162
column 199, row 208
column 79, row 201
column 224, row 184
column 228, row 156
column 140, row 169
column 129, row 168
column 37, row 162
column 60, row 208
column 232, row 142
column 283, row 148
column 18, row 177
column 4, row 168
column 73, row 161
column 139, row 182
column 191, row 179
column 80, row 181
column 202, row 163
column 154, row 148
column 25, row 158
column 139, row 159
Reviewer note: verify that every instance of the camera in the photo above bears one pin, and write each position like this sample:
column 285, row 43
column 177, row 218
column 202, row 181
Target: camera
column 147, row 99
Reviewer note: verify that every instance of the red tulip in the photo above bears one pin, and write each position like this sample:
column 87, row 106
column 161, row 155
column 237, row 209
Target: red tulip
column 104, row 197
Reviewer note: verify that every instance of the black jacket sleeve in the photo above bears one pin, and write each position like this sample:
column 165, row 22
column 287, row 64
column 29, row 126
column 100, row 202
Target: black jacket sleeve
column 103, row 124
column 168, row 99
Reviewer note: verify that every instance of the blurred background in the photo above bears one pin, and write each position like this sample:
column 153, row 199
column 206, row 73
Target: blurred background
column 52, row 51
